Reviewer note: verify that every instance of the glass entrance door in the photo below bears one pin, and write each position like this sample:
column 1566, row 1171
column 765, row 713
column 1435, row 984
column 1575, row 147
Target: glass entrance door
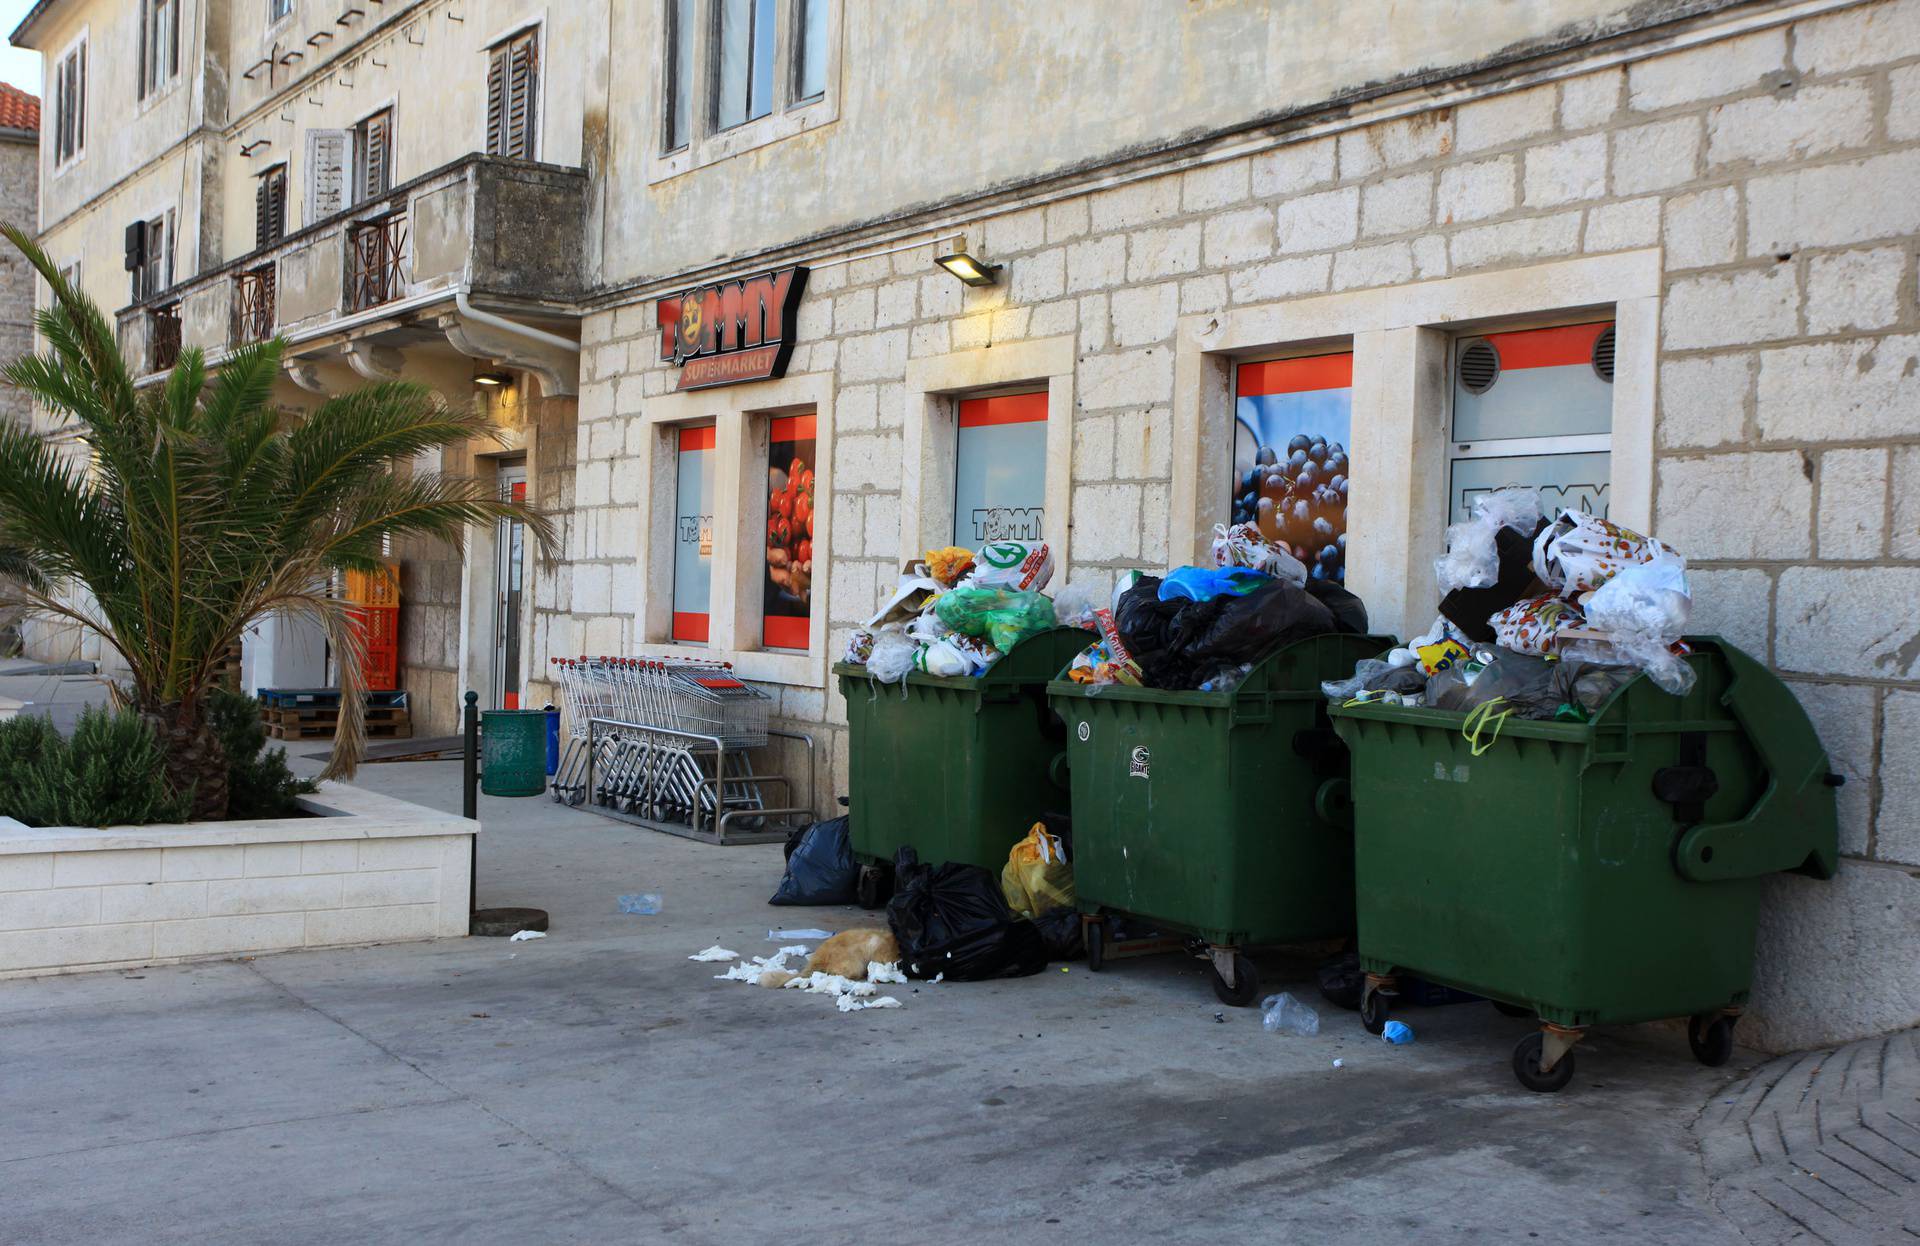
column 509, row 591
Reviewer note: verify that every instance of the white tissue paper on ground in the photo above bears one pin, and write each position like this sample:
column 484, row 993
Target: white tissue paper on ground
column 848, row 1003
column 716, row 952
column 521, row 936
column 877, row 972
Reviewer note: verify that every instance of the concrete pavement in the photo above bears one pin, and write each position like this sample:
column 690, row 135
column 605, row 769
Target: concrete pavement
column 598, row 1086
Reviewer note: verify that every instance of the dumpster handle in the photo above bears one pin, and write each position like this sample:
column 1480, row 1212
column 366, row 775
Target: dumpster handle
column 1791, row 824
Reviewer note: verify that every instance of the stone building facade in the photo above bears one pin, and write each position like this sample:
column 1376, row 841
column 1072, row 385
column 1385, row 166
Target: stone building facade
column 19, row 188
column 1171, row 194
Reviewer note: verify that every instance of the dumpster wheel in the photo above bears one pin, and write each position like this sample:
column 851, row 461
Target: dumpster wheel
column 1376, row 1002
column 873, row 887
column 1094, row 933
column 1527, row 1054
column 1711, row 1037
column 1246, row 979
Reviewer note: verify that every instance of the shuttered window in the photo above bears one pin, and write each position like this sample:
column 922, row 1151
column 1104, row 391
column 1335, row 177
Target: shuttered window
column 329, row 157
column 373, row 156
column 681, row 29
column 513, row 83
column 270, row 207
column 70, row 104
column 150, row 255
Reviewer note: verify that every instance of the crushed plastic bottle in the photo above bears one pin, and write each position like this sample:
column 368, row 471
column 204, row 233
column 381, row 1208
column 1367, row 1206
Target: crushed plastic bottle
column 1399, row 1033
column 645, row 903
column 1283, row 1014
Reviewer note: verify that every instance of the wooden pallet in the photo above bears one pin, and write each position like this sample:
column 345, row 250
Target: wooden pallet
column 331, row 714
column 298, row 730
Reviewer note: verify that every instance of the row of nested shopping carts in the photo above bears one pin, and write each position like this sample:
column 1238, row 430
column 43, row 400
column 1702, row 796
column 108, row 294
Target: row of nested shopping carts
column 662, row 741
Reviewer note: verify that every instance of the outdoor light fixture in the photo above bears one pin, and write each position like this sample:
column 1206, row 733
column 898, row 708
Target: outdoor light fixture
column 970, row 271
column 495, row 377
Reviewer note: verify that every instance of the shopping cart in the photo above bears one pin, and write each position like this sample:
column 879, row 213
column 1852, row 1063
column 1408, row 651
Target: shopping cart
column 668, row 743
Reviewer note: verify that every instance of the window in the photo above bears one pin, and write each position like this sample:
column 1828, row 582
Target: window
column 1534, row 407
column 329, row 166
column 681, row 28
column 743, row 90
column 159, row 44
column 1292, row 421
column 270, row 207
column 1000, row 470
column 373, row 156
column 693, row 535
column 278, row 10
column 809, row 49
column 150, row 255
column 70, row 105
column 787, row 586
column 513, row 82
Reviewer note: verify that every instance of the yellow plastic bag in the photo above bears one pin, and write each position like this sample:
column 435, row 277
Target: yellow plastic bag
column 1037, row 878
column 949, row 564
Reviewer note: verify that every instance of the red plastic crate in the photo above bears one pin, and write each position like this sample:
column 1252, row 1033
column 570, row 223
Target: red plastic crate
column 379, row 629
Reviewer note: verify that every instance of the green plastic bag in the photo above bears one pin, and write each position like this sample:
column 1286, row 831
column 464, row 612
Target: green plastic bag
column 1004, row 616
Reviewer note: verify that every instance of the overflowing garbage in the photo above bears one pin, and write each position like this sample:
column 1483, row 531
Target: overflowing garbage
column 1539, row 618
column 958, row 611
column 1204, row 627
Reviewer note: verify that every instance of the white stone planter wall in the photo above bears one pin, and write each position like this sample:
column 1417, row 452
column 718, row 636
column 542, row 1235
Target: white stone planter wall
column 373, row 870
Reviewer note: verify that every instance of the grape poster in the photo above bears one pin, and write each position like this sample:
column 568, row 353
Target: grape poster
column 1293, row 420
column 787, row 590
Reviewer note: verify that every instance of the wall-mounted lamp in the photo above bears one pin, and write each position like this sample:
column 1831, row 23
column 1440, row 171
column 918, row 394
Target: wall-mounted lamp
column 493, row 377
column 970, row 271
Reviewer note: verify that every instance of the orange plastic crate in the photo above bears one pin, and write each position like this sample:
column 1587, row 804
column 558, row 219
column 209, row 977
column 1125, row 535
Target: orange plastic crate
column 374, row 588
column 379, row 629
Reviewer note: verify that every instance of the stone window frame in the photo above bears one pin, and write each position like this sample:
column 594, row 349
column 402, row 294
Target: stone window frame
column 741, row 416
column 1402, row 338
column 710, row 145
column 935, row 385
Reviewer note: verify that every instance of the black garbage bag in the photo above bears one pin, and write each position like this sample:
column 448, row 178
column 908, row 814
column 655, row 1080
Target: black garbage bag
column 1469, row 608
column 950, row 919
column 1060, row 931
column 1342, row 981
column 1145, row 624
column 1248, row 628
column 820, row 866
column 1349, row 612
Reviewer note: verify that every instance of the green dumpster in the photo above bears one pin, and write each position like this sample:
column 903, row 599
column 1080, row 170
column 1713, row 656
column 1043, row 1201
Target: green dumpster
column 1219, row 815
column 958, row 769
column 1590, row 873
column 513, row 752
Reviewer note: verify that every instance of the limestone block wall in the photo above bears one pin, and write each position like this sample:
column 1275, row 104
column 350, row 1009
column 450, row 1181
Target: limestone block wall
column 19, row 201
column 1778, row 173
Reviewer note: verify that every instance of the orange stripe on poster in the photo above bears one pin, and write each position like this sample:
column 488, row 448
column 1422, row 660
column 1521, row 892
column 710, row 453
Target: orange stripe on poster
column 792, row 427
column 519, row 491
column 697, row 438
column 687, row 626
column 1548, row 348
column 1003, row 409
column 1294, row 376
column 786, row 633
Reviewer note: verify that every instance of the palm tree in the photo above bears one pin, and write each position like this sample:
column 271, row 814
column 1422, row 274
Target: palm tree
column 200, row 508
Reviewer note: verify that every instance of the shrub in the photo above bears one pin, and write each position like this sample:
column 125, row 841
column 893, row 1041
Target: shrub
column 111, row 773
column 259, row 784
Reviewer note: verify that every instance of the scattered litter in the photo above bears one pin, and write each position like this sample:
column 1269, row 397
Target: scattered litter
column 877, row 972
column 1339, row 1064
column 1220, row 1018
column 796, row 949
column 521, row 936
column 716, row 952
column 751, row 971
column 848, row 1003
column 1283, row 1014
column 774, row 936
column 938, row 977
column 645, row 903
column 1399, row 1033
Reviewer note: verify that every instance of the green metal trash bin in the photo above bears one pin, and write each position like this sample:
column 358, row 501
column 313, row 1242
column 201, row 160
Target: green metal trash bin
column 1219, row 815
column 513, row 752
column 1590, row 873
column 959, row 768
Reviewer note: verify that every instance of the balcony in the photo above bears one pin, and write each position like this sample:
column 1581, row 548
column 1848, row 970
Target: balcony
column 388, row 275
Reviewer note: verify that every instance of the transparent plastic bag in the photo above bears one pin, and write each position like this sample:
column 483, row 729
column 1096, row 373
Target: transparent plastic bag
column 1366, row 672
column 1472, row 559
column 1004, row 616
column 1283, row 1014
column 1244, row 545
column 1075, row 605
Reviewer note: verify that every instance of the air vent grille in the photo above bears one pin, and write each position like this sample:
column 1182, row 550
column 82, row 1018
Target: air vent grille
column 1479, row 366
column 1603, row 354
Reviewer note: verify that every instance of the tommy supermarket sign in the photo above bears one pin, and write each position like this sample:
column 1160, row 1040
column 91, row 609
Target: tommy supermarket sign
column 732, row 331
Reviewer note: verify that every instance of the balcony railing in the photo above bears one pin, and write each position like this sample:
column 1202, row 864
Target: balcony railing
column 509, row 231
column 376, row 256
column 163, row 337
column 253, row 305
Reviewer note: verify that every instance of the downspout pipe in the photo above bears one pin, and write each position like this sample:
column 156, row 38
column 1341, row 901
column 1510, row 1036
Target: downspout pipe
column 469, row 312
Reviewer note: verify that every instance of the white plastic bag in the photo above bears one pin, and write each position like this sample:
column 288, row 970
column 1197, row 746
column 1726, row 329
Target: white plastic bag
column 1472, row 559
column 1244, row 545
column 1075, row 605
column 1644, row 609
column 1578, row 552
column 893, row 655
column 1022, row 565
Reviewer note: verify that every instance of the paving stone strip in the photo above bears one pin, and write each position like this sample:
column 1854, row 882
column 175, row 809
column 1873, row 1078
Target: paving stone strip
column 1822, row 1146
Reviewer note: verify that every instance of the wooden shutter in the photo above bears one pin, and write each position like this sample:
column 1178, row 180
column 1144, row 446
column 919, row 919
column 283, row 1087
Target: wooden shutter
column 136, row 245
column 497, row 100
column 376, row 167
column 329, row 153
column 79, row 137
column 513, row 82
column 270, row 207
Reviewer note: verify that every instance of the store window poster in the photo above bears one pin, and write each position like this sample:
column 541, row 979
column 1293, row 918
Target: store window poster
column 1293, row 420
column 693, row 536
column 1000, row 470
column 787, row 586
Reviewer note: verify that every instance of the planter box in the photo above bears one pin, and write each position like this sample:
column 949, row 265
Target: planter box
column 371, row 869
